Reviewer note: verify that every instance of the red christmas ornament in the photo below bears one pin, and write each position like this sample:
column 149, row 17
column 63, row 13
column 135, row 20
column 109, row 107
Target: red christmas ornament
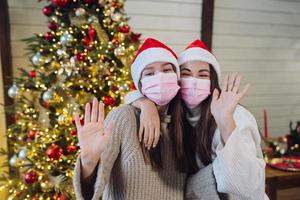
column 124, row 29
column 114, row 88
column 31, row 177
column 92, row 33
column 114, row 4
column 109, row 101
column 80, row 57
column 32, row 73
column 60, row 3
column 135, row 37
column 132, row 86
column 35, row 198
column 52, row 26
column 48, row 10
column 45, row 104
column 18, row 194
column 73, row 132
column 58, row 196
column 89, row 1
column 31, row 134
column 71, row 148
column 48, row 36
column 54, row 152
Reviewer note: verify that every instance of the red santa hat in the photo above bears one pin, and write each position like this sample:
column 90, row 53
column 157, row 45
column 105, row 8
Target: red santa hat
column 197, row 50
column 151, row 51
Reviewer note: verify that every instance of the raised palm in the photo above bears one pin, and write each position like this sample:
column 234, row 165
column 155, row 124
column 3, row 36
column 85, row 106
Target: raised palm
column 92, row 137
column 224, row 105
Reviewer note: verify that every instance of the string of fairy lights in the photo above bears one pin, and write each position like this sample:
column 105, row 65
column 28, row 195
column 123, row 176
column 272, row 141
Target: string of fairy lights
column 87, row 52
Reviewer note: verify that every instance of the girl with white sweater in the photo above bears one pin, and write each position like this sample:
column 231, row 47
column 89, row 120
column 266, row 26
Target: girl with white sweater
column 112, row 163
column 223, row 135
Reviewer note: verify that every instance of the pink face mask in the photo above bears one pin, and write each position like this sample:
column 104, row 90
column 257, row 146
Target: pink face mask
column 160, row 88
column 194, row 91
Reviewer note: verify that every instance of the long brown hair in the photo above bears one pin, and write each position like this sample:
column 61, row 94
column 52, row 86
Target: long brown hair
column 200, row 138
column 175, row 131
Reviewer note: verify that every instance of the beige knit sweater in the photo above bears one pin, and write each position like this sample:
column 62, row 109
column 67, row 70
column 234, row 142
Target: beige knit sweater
column 123, row 174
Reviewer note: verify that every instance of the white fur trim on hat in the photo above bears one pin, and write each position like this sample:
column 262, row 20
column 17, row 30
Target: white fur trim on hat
column 149, row 56
column 200, row 54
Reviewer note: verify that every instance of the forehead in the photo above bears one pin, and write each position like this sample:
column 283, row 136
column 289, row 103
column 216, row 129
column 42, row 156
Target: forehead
column 155, row 65
column 195, row 65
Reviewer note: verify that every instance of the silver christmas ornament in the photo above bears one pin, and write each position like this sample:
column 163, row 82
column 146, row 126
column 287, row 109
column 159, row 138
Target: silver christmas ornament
column 13, row 160
column 22, row 154
column 47, row 95
column 80, row 12
column 66, row 38
column 13, row 91
column 36, row 59
column 92, row 19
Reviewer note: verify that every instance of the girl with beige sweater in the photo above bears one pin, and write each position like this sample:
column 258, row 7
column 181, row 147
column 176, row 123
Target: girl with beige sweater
column 113, row 164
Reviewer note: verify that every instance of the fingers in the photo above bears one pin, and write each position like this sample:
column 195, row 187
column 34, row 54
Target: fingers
column 141, row 130
column 95, row 105
column 87, row 114
column 146, row 136
column 237, row 84
column 225, row 83
column 231, row 81
column 244, row 92
column 77, row 121
column 101, row 112
column 151, row 138
column 215, row 94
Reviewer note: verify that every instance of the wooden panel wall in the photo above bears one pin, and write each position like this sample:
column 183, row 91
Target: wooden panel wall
column 261, row 39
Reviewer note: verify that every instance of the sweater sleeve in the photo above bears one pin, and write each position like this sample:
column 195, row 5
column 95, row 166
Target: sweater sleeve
column 132, row 96
column 202, row 185
column 239, row 167
column 83, row 190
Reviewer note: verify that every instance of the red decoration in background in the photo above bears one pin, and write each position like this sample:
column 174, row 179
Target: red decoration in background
column 132, row 86
column 135, row 37
column 114, row 88
column 124, row 29
column 89, row 1
column 61, row 3
column 58, row 196
column 48, row 36
column 52, row 26
column 31, row 177
column 265, row 125
column 73, row 132
column 45, row 104
column 31, row 134
column 89, row 38
column 80, row 57
column 109, row 101
column 91, row 33
column 32, row 73
column 71, row 148
column 47, row 10
column 54, row 152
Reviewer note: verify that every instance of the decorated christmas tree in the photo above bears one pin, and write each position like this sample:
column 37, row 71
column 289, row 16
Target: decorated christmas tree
column 86, row 53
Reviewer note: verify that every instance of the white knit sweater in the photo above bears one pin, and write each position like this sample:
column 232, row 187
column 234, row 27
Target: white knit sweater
column 238, row 166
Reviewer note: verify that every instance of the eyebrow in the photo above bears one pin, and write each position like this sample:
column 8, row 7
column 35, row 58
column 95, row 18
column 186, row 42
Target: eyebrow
column 204, row 70
column 185, row 69
column 166, row 64
column 149, row 68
